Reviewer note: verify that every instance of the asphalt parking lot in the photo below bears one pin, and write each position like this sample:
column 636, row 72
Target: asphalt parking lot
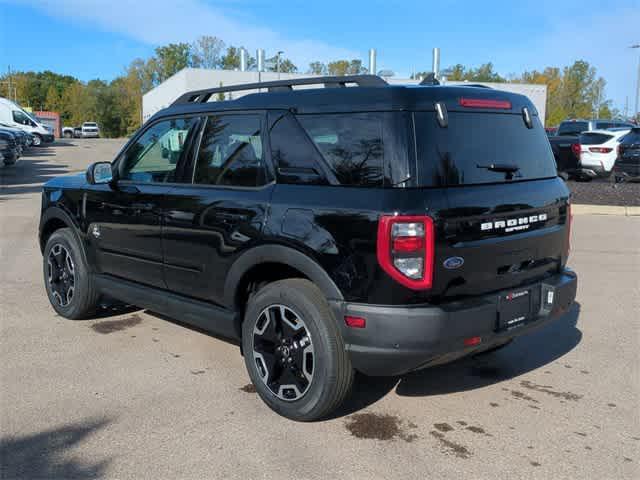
column 133, row 395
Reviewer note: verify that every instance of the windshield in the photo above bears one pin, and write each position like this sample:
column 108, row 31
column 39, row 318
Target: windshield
column 477, row 148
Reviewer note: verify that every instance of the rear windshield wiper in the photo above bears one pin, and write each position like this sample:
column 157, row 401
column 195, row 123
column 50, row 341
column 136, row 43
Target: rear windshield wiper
column 501, row 167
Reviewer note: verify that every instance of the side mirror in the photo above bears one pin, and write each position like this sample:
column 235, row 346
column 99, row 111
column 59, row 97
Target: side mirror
column 99, row 173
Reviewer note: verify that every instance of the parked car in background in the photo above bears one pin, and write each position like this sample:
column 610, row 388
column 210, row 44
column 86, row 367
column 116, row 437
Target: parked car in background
column 575, row 127
column 627, row 166
column 25, row 139
column 564, row 151
column 13, row 115
column 597, row 150
column 67, row 132
column 551, row 131
column 9, row 148
column 90, row 130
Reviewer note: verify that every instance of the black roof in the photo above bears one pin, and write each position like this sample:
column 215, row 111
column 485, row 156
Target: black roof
column 357, row 99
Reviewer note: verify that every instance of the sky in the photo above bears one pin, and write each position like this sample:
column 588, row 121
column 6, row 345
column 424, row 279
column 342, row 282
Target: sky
column 99, row 38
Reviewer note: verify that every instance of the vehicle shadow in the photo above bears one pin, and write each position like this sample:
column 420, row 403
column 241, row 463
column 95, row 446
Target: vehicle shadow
column 46, row 454
column 523, row 355
column 28, row 176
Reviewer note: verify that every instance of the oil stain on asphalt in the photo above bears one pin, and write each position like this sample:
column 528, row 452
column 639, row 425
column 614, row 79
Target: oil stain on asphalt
column 378, row 426
column 451, row 447
column 110, row 326
column 249, row 388
column 547, row 389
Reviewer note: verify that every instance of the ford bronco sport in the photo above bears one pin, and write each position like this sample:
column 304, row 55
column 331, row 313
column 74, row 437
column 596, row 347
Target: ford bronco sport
column 373, row 228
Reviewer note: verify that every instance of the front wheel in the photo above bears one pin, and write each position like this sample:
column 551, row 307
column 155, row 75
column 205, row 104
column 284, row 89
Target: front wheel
column 37, row 140
column 68, row 282
column 294, row 352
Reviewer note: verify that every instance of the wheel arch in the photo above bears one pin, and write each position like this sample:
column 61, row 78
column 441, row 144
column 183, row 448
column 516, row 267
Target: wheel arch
column 295, row 263
column 54, row 218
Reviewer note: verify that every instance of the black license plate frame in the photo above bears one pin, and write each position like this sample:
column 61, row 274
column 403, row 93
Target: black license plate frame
column 514, row 308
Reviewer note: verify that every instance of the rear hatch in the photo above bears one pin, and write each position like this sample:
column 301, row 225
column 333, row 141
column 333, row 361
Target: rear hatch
column 505, row 224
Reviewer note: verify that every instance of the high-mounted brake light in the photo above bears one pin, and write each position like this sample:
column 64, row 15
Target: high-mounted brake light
column 485, row 103
column 405, row 249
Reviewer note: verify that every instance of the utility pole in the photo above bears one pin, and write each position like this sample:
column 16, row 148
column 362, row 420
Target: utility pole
column 637, row 110
column 278, row 62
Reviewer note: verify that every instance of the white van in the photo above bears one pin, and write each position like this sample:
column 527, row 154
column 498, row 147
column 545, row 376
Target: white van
column 13, row 115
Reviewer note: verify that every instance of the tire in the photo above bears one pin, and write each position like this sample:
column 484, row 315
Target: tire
column 326, row 369
column 84, row 296
column 10, row 160
column 37, row 140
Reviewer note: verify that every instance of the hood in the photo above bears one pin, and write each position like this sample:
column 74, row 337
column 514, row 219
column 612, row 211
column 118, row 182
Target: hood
column 76, row 180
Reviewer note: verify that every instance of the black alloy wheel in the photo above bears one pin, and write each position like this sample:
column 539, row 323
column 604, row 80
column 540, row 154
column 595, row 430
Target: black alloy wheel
column 283, row 352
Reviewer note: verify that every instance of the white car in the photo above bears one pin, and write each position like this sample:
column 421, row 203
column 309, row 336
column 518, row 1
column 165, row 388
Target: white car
column 90, row 130
column 598, row 150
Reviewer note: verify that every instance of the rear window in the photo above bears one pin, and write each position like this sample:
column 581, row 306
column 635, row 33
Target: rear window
column 594, row 138
column 572, row 128
column 456, row 154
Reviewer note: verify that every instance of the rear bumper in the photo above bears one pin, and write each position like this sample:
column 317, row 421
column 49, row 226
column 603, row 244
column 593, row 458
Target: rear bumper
column 397, row 340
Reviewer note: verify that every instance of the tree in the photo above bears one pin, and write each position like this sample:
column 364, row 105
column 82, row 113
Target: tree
column 231, row 59
column 171, row 59
column 206, row 52
column 317, row 68
column 53, row 100
column 346, row 67
column 286, row 65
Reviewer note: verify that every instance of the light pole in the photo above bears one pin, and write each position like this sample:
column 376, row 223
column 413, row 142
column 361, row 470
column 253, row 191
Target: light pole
column 637, row 45
column 278, row 62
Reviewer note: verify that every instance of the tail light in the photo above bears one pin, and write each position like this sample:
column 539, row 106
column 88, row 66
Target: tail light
column 576, row 148
column 405, row 249
column 600, row 149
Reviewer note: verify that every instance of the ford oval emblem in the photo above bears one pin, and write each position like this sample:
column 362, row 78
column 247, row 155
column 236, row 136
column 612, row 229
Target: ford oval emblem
column 452, row 263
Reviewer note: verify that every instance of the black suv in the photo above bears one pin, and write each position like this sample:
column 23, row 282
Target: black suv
column 372, row 228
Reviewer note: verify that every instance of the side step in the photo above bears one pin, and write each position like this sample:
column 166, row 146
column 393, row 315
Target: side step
column 204, row 315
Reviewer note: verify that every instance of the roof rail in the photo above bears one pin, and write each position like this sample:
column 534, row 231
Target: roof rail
column 477, row 85
column 202, row 96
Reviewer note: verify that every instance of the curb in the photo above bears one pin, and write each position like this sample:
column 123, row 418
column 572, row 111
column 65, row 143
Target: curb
column 577, row 209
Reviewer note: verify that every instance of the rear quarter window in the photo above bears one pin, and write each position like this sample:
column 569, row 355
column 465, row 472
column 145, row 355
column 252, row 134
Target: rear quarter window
column 351, row 145
column 455, row 155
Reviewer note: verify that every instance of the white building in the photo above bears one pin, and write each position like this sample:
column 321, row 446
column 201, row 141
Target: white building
column 197, row 78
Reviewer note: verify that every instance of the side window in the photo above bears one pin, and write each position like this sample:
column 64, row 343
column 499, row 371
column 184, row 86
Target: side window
column 155, row 154
column 231, row 152
column 351, row 145
column 21, row 118
column 296, row 158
